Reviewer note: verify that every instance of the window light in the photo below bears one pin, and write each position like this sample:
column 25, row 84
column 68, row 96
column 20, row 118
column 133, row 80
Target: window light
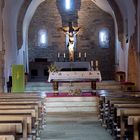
column 43, row 38
column 104, row 38
column 67, row 4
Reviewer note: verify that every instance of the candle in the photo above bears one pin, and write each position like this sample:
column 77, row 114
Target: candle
column 96, row 63
column 64, row 55
column 79, row 54
column 91, row 62
column 58, row 55
column 85, row 54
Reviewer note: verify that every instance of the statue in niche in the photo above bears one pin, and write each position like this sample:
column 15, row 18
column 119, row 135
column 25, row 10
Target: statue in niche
column 71, row 32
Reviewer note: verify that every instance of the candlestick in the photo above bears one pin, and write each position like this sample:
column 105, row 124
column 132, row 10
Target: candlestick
column 96, row 63
column 92, row 63
column 85, row 54
column 58, row 55
column 79, row 54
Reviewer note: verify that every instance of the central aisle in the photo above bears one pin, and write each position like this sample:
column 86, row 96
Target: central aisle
column 74, row 126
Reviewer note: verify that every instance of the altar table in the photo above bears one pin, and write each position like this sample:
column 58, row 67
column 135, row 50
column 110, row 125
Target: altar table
column 74, row 76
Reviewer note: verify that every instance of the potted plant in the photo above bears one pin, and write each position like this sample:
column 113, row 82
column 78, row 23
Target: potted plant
column 52, row 68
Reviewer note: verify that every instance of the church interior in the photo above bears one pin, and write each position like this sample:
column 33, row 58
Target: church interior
column 69, row 69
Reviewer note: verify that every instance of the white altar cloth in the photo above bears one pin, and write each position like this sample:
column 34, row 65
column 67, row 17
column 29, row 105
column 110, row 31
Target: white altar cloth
column 74, row 76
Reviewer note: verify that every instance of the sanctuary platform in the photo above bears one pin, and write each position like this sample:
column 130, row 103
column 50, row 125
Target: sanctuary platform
column 86, row 101
column 72, row 104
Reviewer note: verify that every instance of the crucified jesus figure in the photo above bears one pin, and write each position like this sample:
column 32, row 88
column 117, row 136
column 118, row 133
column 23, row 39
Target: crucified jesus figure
column 71, row 32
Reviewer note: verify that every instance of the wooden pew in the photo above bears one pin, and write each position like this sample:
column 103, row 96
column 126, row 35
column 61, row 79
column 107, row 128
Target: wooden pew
column 126, row 112
column 9, row 129
column 26, row 120
column 35, row 124
column 109, row 101
column 135, row 121
column 19, row 111
column 113, row 112
column 7, row 137
column 38, row 111
column 39, row 107
column 108, row 107
column 11, row 104
column 11, row 126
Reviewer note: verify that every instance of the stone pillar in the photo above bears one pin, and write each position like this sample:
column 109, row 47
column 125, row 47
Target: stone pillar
column 1, row 49
column 1, row 71
column 138, row 36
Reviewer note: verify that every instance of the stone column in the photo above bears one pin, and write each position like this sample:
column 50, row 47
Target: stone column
column 2, row 51
column 1, row 71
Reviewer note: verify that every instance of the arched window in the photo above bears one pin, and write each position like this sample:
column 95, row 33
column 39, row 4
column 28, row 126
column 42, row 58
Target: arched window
column 42, row 38
column 68, row 4
column 104, row 38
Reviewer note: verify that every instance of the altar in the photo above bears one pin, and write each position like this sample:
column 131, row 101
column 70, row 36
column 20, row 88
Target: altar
column 74, row 76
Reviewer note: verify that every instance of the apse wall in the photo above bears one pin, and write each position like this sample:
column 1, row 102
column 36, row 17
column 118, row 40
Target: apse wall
column 51, row 16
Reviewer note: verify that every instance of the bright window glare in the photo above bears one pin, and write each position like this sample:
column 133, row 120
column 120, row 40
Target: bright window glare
column 102, row 36
column 67, row 4
column 43, row 38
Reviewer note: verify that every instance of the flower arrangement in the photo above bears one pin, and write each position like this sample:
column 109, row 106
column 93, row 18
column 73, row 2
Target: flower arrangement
column 52, row 68
column 74, row 92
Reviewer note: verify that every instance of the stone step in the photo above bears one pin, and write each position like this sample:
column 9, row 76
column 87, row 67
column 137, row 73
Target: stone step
column 106, row 83
column 66, row 87
column 77, row 104
column 38, row 84
column 115, row 87
column 112, row 85
column 38, row 88
column 66, row 99
column 72, row 109
column 72, row 104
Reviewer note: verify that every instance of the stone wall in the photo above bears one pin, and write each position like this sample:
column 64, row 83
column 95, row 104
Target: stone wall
column 51, row 16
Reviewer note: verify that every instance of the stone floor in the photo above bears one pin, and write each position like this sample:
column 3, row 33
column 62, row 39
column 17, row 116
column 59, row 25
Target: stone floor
column 79, row 126
column 74, row 127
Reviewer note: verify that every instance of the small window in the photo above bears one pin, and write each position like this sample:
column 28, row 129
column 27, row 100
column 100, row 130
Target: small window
column 42, row 38
column 68, row 4
column 104, row 38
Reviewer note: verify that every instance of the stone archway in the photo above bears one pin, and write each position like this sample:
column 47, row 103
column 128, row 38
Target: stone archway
column 21, row 16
